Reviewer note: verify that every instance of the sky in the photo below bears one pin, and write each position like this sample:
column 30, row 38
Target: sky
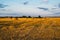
column 30, row 7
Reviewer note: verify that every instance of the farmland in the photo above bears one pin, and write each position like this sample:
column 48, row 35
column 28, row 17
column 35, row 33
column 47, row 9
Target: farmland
column 30, row 29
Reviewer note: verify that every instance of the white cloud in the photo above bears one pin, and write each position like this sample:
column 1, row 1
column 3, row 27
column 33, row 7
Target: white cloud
column 22, row 9
column 19, row 9
column 45, row 0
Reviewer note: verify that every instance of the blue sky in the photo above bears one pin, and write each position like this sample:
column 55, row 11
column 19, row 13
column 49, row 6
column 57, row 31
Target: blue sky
column 29, row 7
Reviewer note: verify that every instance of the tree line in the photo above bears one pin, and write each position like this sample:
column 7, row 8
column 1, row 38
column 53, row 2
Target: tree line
column 21, row 17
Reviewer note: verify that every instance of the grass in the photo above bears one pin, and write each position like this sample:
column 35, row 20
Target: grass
column 30, row 29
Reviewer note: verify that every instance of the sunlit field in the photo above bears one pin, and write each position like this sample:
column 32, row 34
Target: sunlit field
column 30, row 29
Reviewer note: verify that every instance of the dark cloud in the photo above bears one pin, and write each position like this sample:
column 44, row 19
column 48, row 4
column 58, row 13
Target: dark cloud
column 3, row 6
column 42, row 8
column 57, row 13
column 59, row 5
column 25, row 3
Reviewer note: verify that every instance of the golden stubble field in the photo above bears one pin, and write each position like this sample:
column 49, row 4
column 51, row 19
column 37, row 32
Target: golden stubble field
column 30, row 29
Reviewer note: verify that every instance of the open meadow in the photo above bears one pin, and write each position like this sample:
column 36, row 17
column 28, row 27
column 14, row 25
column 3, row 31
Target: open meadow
column 30, row 29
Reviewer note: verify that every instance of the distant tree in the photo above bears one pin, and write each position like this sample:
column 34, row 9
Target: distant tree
column 39, row 16
column 16, row 18
column 11, row 17
column 24, row 16
column 29, row 16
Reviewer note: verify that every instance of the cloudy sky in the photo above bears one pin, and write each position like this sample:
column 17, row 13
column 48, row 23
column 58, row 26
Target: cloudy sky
column 29, row 7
